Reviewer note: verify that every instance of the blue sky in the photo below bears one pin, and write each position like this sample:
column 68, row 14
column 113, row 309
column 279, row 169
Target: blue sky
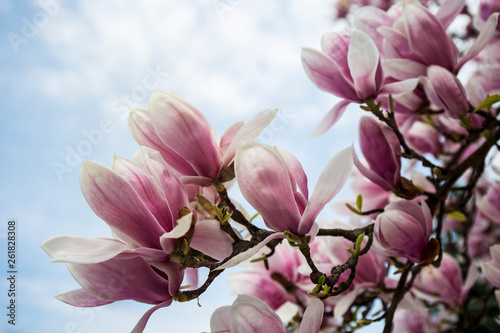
column 70, row 68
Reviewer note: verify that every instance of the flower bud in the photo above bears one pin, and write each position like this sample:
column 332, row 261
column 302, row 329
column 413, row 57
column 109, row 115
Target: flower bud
column 403, row 230
column 445, row 90
column 380, row 147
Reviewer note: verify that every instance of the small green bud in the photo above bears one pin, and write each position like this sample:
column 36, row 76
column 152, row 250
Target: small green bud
column 359, row 241
column 180, row 297
column 359, row 202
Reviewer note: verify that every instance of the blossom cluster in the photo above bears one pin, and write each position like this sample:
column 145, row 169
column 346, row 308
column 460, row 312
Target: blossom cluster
column 419, row 246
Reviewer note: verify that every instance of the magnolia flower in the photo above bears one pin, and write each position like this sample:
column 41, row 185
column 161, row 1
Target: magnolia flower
column 489, row 204
column 424, row 138
column 412, row 316
column 251, row 315
column 186, row 140
column 380, row 146
column 349, row 67
column 445, row 282
column 491, row 269
column 276, row 284
column 268, row 179
column 487, row 8
column 403, row 230
column 418, row 39
column 145, row 205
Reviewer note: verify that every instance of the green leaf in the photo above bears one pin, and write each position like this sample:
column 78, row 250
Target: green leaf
column 359, row 202
column 359, row 241
column 352, row 209
column 488, row 102
column 459, row 216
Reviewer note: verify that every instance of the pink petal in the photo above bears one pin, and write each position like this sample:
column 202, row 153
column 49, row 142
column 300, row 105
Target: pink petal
column 373, row 176
column 183, row 128
column 80, row 298
column 426, row 35
column 295, row 170
column 116, row 280
column 378, row 150
column 229, row 135
column 241, row 257
column 249, row 318
column 261, row 286
column 330, row 182
column 163, row 175
column 313, row 317
column 196, row 180
column 139, row 125
column 364, row 62
column 472, row 276
column 139, row 327
column 396, row 44
column 450, row 93
column 449, row 10
column 170, row 271
column 330, row 118
column 93, row 250
column 209, row 239
column 344, row 303
column 219, row 322
column 113, row 199
column 336, row 45
column 250, row 131
column 369, row 18
column 402, row 69
column 149, row 191
column 264, row 182
column 400, row 87
column 487, row 31
column 327, row 75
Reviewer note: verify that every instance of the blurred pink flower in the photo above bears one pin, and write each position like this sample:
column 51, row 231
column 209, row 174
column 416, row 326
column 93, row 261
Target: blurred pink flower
column 445, row 282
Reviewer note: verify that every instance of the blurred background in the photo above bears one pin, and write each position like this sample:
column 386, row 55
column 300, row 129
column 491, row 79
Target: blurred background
column 70, row 73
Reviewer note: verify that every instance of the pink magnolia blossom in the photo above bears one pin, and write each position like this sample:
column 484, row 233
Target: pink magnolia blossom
column 279, row 284
column 403, row 230
column 487, row 8
column 141, row 201
column 269, row 179
column 489, row 204
column 186, row 140
column 445, row 282
column 380, row 147
column 484, row 82
column 412, row 316
column 491, row 269
column 348, row 67
column 424, row 138
column 418, row 39
column 251, row 315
